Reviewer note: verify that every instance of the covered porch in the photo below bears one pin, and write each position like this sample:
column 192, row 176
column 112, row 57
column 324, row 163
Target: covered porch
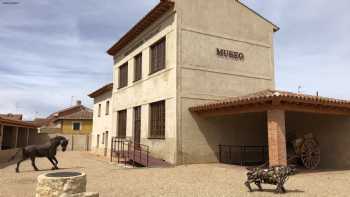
column 15, row 134
column 277, row 117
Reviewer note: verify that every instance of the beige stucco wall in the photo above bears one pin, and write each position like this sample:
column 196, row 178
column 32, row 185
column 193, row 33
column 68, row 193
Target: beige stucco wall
column 194, row 75
column 203, row 76
column 202, row 135
column 103, row 123
column 332, row 133
column 151, row 88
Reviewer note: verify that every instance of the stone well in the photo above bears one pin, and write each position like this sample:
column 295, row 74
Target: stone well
column 63, row 184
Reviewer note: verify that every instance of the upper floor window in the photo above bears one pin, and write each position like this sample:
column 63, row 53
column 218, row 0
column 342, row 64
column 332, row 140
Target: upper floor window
column 138, row 67
column 107, row 108
column 123, row 75
column 158, row 56
column 122, row 124
column 99, row 110
column 157, row 120
column 76, row 126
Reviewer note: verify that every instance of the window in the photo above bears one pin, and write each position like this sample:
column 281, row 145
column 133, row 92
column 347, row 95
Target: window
column 123, row 75
column 99, row 110
column 76, row 126
column 138, row 67
column 157, row 120
column 158, row 56
column 122, row 124
column 107, row 108
column 137, row 125
column 106, row 140
column 98, row 141
column 103, row 138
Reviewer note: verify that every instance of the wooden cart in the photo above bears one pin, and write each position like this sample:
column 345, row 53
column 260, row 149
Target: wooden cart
column 307, row 150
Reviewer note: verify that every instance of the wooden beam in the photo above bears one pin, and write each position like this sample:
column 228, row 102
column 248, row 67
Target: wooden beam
column 1, row 135
column 16, row 137
column 28, row 133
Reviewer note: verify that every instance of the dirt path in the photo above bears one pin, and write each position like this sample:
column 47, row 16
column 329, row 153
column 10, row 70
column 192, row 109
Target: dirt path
column 192, row 180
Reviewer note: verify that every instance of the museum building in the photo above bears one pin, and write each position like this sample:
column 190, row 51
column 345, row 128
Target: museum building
column 194, row 77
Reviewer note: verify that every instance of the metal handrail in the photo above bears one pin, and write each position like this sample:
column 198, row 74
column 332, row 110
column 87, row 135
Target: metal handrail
column 123, row 148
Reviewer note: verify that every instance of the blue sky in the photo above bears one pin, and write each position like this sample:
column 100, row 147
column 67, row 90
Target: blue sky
column 53, row 50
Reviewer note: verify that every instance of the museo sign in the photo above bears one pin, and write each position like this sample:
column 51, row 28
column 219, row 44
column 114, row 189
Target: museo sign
column 230, row 54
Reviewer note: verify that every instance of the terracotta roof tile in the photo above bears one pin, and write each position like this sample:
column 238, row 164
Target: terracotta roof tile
column 80, row 115
column 12, row 116
column 269, row 95
column 19, row 123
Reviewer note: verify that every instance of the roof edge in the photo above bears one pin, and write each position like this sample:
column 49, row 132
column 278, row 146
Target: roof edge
column 272, row 95
column 275, row 27
column 20, row 123
column 100, row 91
column 148, row 19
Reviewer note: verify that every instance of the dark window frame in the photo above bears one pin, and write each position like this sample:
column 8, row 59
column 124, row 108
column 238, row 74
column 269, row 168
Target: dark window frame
column 107, row 107
column 123, row 76
column 138, row 67
column 137, row 122
column 122, row 123
column 74, row 124
column 157, row 120
column 99, row 110
column 158, row 56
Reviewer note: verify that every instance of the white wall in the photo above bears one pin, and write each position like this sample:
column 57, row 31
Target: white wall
column 103, row 123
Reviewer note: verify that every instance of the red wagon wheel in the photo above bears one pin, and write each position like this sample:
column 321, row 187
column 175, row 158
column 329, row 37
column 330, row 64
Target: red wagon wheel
column 310, row 153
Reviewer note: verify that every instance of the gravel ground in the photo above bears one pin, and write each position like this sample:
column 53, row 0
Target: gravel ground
column 191, row 180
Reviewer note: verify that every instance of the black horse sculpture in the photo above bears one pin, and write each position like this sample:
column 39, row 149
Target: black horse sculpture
column 47, row 150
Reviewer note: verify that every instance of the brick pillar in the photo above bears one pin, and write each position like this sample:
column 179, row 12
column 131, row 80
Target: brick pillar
column 277, row 137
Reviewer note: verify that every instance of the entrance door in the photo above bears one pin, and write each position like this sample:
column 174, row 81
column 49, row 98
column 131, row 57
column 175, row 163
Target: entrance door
column 106, row 143
column 137, row 125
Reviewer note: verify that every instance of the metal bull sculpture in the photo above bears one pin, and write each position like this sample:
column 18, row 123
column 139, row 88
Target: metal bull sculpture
column 47, row 150
column 277, row 175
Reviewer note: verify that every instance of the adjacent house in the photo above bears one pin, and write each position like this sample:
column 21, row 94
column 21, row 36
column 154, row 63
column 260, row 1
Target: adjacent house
column 73, row 120
column 102, row 118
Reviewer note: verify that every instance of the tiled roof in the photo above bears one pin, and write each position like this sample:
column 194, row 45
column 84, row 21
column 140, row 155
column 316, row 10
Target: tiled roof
column 39, row 121
column 144, row 23
column 18, row 123
column 12, row 116
column 269, row 96
column 100, row 91
column 80, row 115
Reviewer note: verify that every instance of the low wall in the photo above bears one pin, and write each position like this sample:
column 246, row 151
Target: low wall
column 5, row 155
column 76, row 142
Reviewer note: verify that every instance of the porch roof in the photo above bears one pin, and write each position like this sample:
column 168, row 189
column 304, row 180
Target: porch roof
column 274, row 99
column 16, row 123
